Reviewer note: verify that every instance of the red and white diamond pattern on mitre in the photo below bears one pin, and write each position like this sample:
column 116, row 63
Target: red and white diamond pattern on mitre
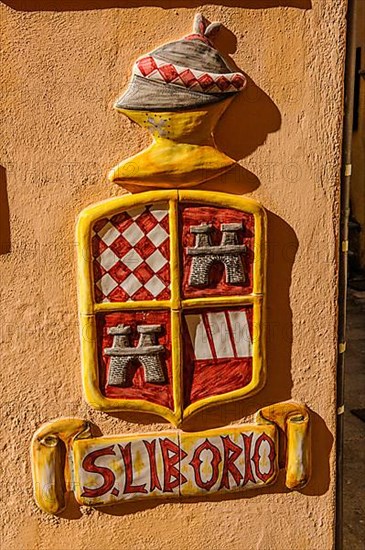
column 155, row 69
column 131, row 255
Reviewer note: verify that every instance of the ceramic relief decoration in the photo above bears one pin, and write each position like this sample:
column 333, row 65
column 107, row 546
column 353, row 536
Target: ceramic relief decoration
column 171, row 300
column 178, row 92
column 167, row 464
column 171, row 290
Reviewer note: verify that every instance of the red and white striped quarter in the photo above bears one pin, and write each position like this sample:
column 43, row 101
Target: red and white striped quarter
column 220, row 335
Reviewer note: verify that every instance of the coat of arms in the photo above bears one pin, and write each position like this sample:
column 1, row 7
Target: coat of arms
column 172, row 299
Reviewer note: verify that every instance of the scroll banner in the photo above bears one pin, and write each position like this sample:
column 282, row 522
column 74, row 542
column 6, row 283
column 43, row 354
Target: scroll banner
column 169, row 464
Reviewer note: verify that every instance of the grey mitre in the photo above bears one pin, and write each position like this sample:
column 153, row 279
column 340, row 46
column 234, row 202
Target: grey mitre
column 143, row 94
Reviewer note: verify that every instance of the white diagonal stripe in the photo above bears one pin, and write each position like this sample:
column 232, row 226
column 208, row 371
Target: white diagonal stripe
column 241, row 332
column 220, row 334
column 198, row 337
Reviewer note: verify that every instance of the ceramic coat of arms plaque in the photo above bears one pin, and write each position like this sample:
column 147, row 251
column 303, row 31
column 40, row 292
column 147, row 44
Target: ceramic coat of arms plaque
column 171, row 301
column 171, row 286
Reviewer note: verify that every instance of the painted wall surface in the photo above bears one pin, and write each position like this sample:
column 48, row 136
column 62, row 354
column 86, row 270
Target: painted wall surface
column 63, row 65
column 358, row 140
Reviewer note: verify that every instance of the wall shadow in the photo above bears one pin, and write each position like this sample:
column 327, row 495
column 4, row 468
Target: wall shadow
column 322, row 442
column 5, row 242
column 251, row 117
column 142, row 418
column 243, row 128
column 81, row 5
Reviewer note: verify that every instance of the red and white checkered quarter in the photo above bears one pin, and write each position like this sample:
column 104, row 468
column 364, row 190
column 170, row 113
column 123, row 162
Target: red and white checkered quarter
column 131, row 255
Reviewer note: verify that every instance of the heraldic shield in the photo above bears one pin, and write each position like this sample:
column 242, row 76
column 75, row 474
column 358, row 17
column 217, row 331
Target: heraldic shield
column 171, row 299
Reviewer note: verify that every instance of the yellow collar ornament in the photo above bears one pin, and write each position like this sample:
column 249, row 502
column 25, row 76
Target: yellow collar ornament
column 172, row 308
column 178, row 92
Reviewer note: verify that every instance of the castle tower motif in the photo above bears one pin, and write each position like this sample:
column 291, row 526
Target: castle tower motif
column 205, row 254
column 147, row 352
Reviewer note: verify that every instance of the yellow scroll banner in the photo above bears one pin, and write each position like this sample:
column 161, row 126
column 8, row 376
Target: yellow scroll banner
column 170, row 464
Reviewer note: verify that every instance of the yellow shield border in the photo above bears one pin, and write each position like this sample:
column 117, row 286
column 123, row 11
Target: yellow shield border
column 88, row 307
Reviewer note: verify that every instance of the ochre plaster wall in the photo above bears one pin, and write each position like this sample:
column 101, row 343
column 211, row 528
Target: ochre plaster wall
column 63, row 64
column 358, row 141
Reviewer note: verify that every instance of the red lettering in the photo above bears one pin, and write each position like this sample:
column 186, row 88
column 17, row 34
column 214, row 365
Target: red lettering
column 231, row 452
column 128, row 471
column 151, row 450
column 256, row 457
column 89, row 465
column 172, row 454
column 247, row 441
column 196, row 462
